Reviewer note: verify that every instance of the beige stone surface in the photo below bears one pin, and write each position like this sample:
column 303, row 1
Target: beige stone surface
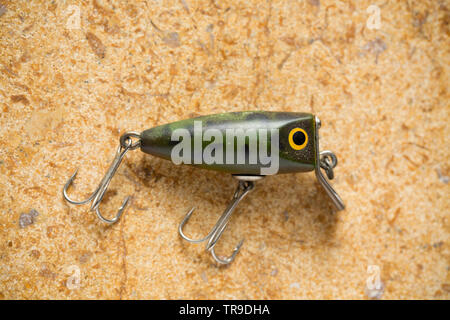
column 69, row 88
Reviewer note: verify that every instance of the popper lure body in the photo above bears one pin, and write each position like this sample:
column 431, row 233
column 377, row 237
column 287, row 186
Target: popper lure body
column 248, row 145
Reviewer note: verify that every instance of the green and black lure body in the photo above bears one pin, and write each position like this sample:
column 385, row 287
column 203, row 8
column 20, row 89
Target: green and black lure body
column 249, row 145
column 255, row 130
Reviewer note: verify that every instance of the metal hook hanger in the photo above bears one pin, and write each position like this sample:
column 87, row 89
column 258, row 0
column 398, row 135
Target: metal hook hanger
column 96, row 197
column 326, row 160
column 245, row 185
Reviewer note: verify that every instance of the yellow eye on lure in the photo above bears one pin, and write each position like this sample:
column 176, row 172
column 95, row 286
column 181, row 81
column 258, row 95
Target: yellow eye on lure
column 248, row 145
column 298, row 139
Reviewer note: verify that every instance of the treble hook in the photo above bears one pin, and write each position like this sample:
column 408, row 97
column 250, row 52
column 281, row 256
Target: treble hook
column 245, row 186
column 96, row 197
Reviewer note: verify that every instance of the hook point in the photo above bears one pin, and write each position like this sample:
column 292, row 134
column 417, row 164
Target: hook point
column 118, row 215
column 68, row 184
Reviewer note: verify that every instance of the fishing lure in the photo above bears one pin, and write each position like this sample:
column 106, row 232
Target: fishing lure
column 248, row 145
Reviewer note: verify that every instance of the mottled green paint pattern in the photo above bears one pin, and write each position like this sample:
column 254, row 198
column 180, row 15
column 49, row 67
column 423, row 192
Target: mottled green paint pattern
column 157, row 141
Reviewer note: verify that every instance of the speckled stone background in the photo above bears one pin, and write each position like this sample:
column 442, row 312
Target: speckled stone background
column 75, row 75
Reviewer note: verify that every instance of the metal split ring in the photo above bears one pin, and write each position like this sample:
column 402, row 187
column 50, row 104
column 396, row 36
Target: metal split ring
column 126, row 141
column 328, row 161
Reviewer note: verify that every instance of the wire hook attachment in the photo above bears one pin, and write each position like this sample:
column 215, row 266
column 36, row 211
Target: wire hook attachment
column 245, row 185
column 96, row 197
column 326, row 160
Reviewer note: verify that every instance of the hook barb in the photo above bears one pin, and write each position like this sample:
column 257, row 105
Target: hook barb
column 216, row 232
column 118, row 215
column 68, row 184
column 96, row 197
column 181, row 225
column 231, row 258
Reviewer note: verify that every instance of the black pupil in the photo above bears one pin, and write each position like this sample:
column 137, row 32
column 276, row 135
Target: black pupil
column 299, row 138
